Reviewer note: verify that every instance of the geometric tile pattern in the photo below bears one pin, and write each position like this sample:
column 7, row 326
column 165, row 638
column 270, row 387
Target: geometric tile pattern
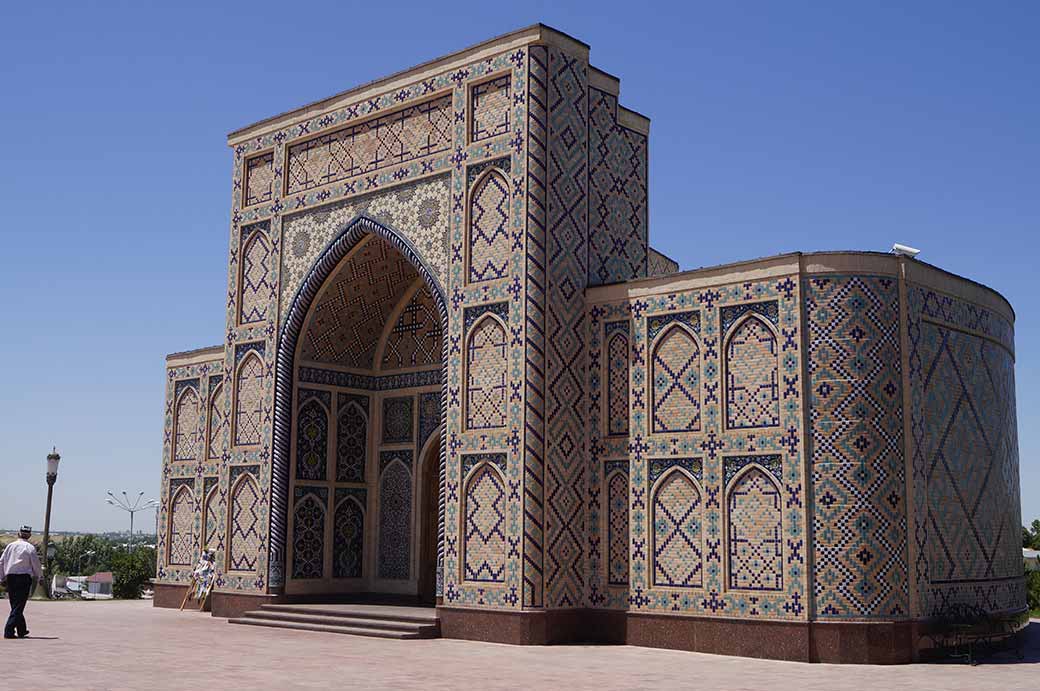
column 418, row 211
column 351, row 313
column 617, row 177
column 218, row 423
column 567, row 271
column 678, row 548
column 702, row 453
column 489, row 241
column 660, row 265
column 211, row 514
column 395, row 519
column 429, row 416
column 617, row 378
column 398, row 419
column 677, row 382
column 486, row 371
column 249, row 400
column 617, row 529
column 187, row 437
column 752, row 386
column 533, row 305
column 245, row 542
column 755, row 539
column 415, row 340
column 485, row 540
column 256, row 289
column 348, row 547
column 490, row 104
column 415, row 132
column 351, row 438
column 856, row 410
column 182, row 524
column 312, row 441
column 308, row 560
column 965, row 456
column 259, row 179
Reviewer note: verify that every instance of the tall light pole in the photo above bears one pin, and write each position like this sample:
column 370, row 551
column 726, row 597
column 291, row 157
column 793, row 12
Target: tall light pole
column 131, row 507
column 53, row 458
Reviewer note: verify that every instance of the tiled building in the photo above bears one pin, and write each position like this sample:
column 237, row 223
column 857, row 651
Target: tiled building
column 454, row 368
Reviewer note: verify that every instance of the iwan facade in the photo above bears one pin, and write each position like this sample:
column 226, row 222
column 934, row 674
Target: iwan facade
column 455, row 369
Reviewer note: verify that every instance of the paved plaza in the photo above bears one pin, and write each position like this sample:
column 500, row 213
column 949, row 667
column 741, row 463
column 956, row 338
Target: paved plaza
column 130, row 645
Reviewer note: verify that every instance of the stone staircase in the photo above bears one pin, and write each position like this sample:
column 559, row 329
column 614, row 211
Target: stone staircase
column 380, row 621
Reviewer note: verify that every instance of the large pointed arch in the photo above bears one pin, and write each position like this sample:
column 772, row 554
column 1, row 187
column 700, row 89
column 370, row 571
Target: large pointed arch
column 341, row 246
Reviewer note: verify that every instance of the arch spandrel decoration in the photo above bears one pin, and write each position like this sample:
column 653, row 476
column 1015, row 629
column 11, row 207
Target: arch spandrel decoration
column 182, row 524
column 488, row 232
column 752, row 375
column 754, row 541
column 678, row 553
column 295, row 317
column 484, row 557
column 186, row 426
column 676, row 381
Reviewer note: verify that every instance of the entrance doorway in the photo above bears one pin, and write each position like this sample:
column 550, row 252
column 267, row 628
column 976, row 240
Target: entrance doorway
column 364, row 451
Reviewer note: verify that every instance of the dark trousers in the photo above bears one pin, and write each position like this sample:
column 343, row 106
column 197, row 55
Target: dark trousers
column 19, row 586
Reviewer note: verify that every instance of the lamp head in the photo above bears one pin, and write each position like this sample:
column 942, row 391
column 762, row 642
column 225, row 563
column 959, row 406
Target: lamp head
column 53, row 458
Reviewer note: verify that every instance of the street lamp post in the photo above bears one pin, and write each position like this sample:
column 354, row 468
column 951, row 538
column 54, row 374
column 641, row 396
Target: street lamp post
column 53, row 458
column 131, row 508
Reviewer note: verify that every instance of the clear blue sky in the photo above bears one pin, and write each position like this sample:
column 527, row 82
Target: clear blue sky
column 776, row 127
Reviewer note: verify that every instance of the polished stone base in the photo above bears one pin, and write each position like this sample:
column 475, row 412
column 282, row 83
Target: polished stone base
column 837, row 642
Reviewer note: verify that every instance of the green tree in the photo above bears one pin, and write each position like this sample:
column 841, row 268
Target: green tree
column 1031, row 535
column 83, row 555
column 131, row 572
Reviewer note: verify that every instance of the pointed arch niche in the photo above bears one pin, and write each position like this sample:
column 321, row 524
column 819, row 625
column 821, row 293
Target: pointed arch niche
column 181, row 543
column 752, row 374
column 254, row 290
column 676, row 381
column 678, row 534
column 186, row 433
column 754, row 530
column 487, row 365
column 366, row 326
column 484, row 512
column 487, row 242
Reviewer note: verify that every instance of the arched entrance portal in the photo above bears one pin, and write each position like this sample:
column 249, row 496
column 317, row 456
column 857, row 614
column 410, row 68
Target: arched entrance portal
column 358, row 458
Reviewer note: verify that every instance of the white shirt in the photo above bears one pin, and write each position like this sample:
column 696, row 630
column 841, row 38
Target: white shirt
column 20, row 557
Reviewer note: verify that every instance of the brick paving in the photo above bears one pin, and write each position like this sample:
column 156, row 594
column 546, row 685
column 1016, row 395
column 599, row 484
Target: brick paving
column 130, row 645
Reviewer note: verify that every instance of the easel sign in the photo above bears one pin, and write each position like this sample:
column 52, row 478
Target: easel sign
column 202, row 579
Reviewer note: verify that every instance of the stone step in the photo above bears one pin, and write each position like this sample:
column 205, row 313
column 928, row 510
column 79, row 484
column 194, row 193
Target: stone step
column 349, row 630
column 324, row 619
column 417, row 615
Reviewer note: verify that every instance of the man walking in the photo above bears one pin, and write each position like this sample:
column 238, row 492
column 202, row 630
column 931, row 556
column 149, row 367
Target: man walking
column 19, row 570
